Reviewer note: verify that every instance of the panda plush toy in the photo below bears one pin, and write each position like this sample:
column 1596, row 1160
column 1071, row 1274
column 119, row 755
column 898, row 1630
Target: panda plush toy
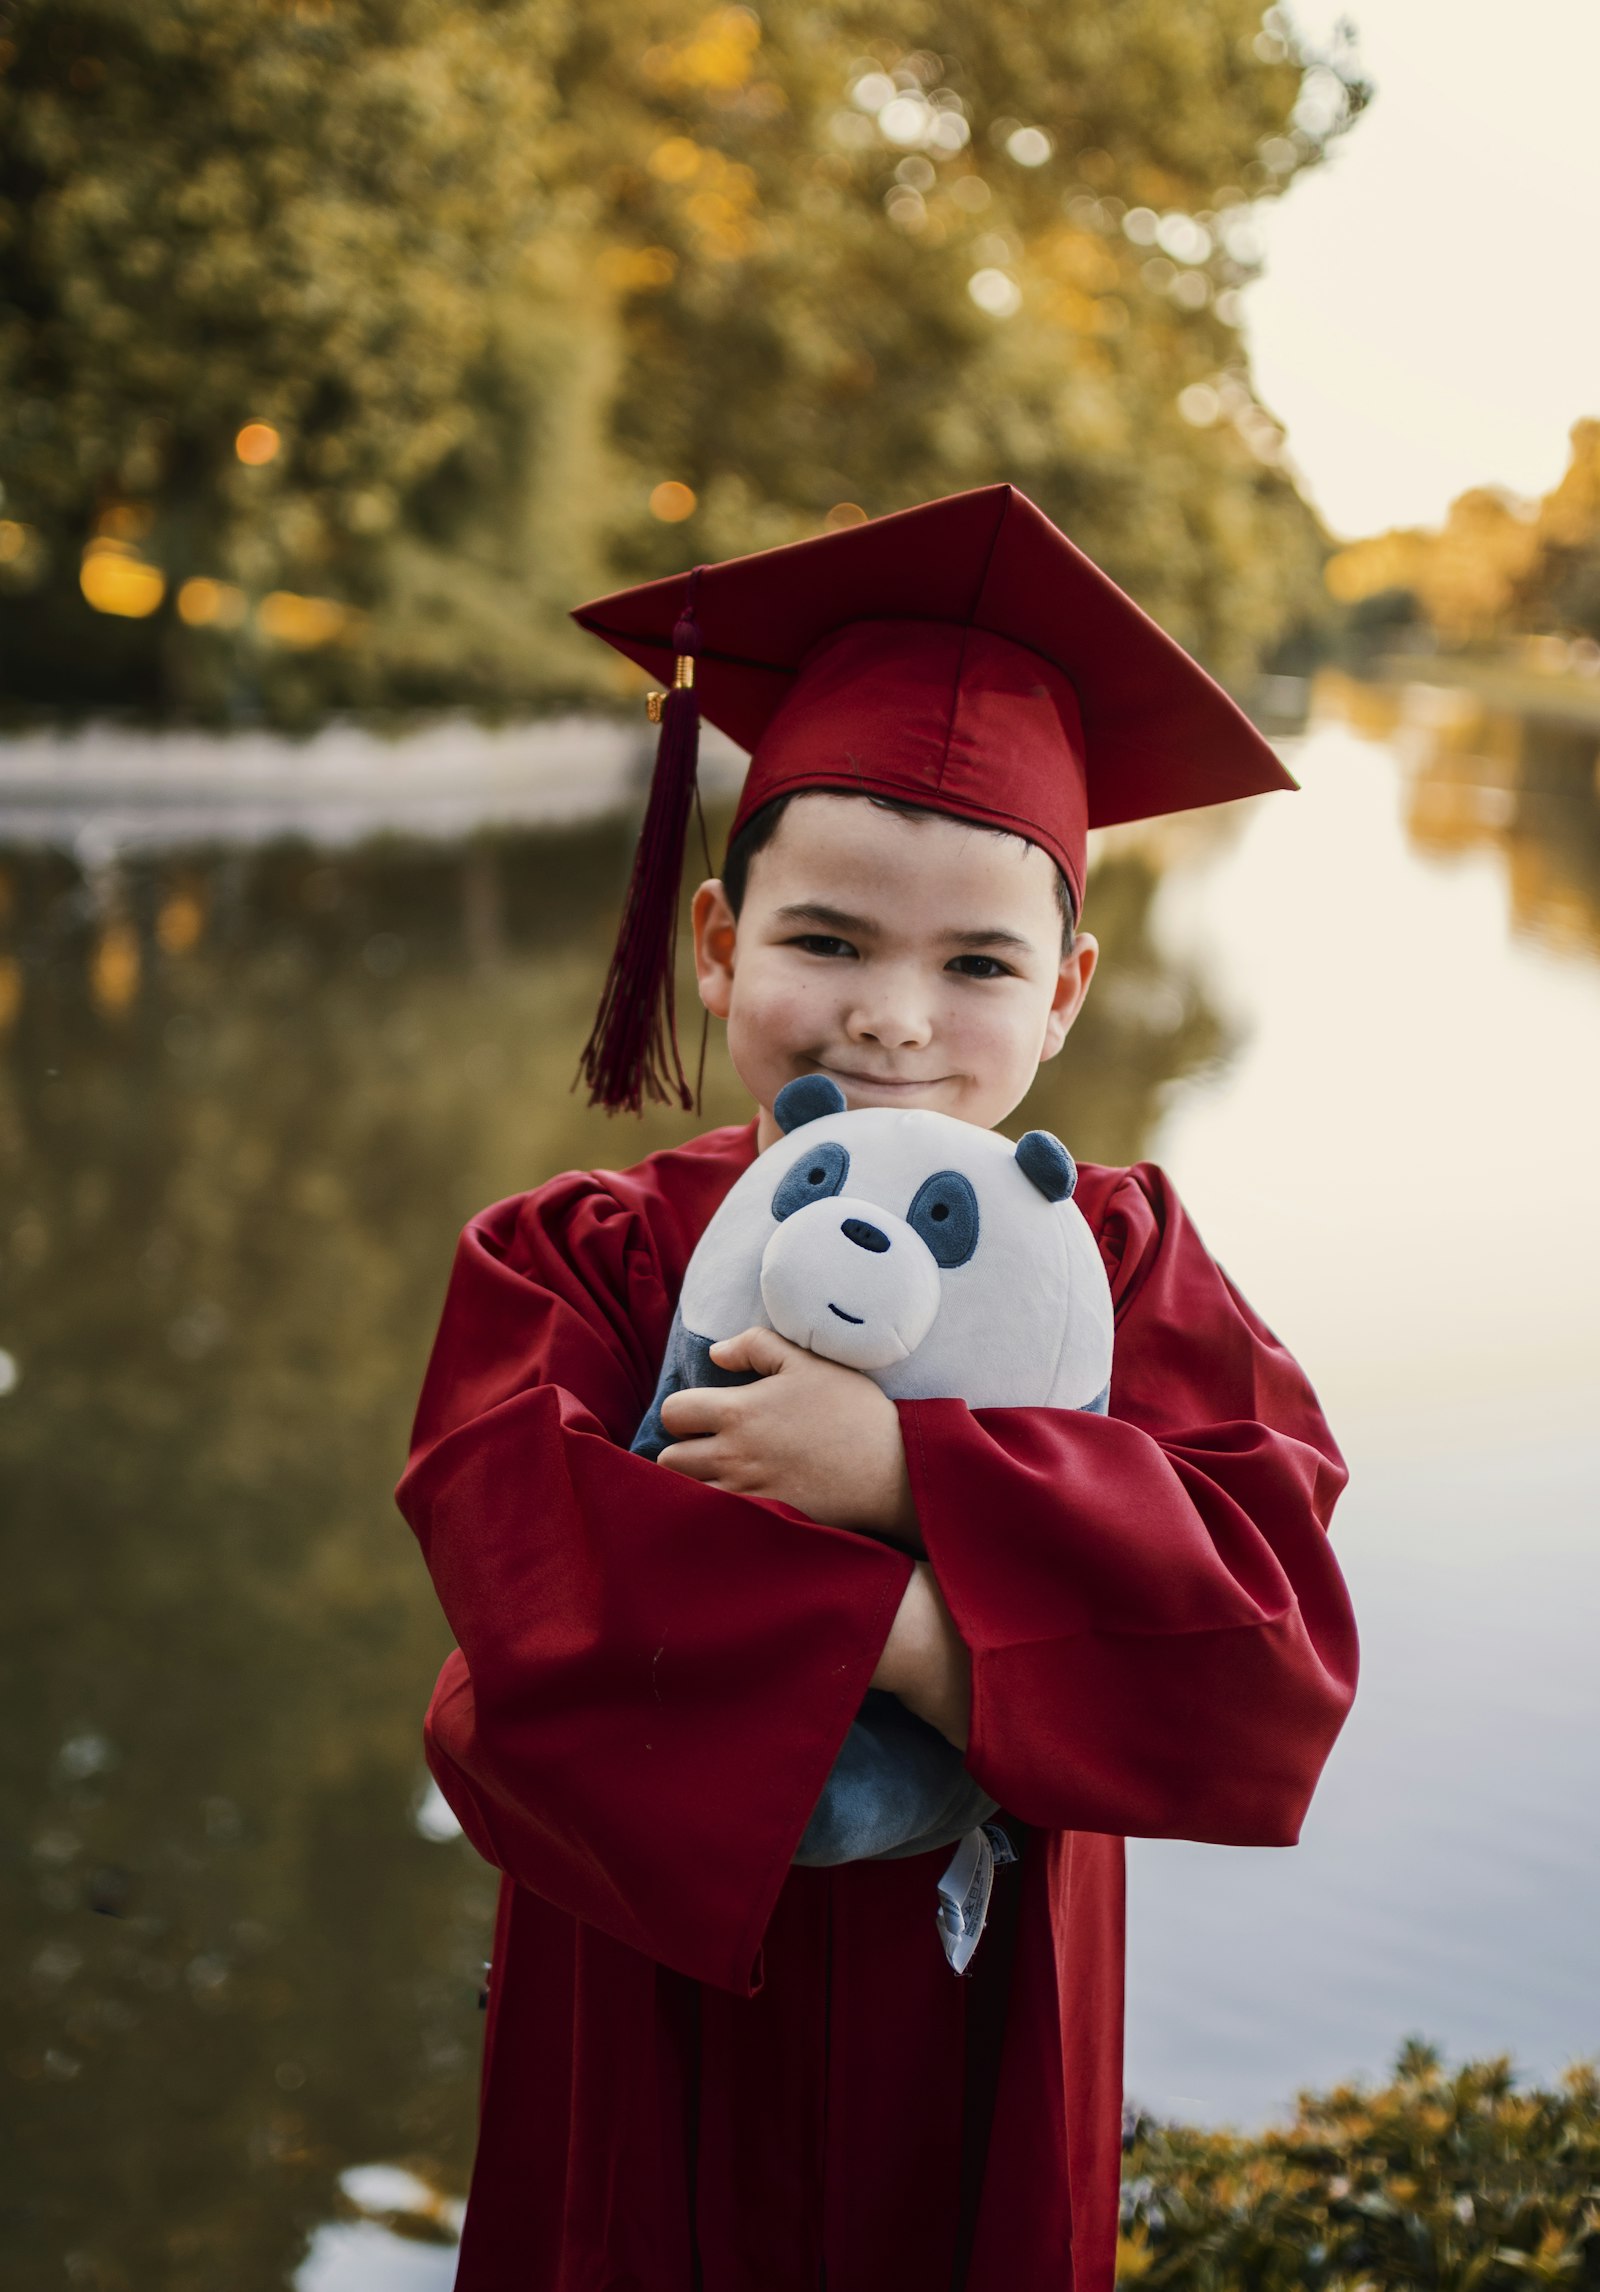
column 945, row 1263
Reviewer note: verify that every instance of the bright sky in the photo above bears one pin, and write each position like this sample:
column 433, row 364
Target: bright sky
column 1429, row 317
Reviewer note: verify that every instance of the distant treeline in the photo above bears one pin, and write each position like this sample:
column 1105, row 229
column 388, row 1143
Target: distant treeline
column 345, row 343
column 1455, row 2182
column 1498, row 568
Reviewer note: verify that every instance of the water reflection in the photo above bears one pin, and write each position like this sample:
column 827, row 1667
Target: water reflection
column 245, row 1100
column 1522, row 782
column 1399, row 1168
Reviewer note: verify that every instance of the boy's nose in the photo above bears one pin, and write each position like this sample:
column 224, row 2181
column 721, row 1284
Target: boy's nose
column 864, row 1236
column 891, row 1010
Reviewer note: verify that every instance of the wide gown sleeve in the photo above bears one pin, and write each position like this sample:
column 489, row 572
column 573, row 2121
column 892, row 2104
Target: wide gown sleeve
column 1161, row 1641
column 653, row 1678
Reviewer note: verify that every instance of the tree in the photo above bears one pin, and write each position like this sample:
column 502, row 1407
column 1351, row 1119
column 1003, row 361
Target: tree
column 354, row 339
column 1498, row 567
column 1562, row 590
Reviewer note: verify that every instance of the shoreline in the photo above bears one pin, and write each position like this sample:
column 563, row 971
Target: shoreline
column 104, row 788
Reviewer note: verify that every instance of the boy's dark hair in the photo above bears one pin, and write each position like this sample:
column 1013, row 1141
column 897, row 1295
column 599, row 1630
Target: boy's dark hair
column 759, row 830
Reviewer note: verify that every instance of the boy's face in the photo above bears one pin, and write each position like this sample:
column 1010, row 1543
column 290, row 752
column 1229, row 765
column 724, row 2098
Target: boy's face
column 919, row 961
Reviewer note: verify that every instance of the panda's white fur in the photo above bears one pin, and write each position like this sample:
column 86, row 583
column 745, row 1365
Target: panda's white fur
column 1026, row 1321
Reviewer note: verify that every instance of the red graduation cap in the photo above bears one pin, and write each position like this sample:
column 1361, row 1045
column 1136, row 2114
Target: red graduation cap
column 963, row 655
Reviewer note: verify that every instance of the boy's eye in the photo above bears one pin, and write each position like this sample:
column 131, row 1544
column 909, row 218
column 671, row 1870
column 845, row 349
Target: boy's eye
column 980, row 967
column 822, row 943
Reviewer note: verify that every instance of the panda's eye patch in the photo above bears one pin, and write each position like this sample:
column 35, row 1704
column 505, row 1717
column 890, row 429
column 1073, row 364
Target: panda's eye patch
column 821, row 1171
column 945, row 1214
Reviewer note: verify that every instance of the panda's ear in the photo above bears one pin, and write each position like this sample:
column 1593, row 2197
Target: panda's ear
column 1043, row 1159
column 807, row 1099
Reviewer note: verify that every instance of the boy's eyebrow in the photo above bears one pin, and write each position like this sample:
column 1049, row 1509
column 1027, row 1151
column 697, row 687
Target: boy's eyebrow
column 861, row 926
column 995, row 937
column 831, row 918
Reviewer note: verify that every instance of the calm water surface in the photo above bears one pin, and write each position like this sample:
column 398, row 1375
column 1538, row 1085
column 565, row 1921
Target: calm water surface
column 247, row 1099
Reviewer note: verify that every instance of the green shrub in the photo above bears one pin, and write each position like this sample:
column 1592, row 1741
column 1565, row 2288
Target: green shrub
column 1455, row 2180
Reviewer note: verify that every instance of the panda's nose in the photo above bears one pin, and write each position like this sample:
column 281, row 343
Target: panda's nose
column 864, row 1236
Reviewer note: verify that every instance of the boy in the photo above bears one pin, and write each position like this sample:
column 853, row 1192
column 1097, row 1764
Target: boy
column 705, row 2068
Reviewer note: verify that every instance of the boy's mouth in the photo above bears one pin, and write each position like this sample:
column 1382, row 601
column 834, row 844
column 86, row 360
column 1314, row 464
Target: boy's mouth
column 888, row 1082
column 855, row 1319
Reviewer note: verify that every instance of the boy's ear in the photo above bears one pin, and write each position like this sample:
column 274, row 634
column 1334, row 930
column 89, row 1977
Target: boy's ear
column 1072, row 984
column 716, row 930
column 807, row 1099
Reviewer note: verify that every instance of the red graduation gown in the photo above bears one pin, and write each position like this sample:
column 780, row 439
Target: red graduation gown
column 705, row 2071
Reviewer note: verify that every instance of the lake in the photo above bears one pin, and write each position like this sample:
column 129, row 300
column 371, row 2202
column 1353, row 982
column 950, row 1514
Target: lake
column 250, row 1090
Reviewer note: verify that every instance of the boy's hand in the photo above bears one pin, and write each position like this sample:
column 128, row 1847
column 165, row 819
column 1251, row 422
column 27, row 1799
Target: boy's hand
column 925, row 1660
column 809, row 1433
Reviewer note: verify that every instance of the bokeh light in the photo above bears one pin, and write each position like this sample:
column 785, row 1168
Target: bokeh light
column 911, row 112
column 1029, row 146
column 114, row 579
column 257, row 444
column 1181, row 237
column 1200, row 405
column 995, row 291
column 205, row 604
column 844, row 513
column 302, row 623
column 672, row 501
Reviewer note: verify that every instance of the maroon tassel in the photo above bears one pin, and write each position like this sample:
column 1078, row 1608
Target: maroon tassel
column 632, row 1052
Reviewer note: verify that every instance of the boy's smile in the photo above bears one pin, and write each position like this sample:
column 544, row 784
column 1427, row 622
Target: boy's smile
column 918, row 960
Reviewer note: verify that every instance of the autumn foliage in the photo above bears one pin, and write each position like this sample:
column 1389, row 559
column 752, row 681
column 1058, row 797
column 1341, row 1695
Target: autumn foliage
column 1439, row 2181
column 343, row 343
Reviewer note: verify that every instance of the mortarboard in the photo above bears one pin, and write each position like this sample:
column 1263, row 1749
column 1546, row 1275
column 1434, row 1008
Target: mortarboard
column 963, row 655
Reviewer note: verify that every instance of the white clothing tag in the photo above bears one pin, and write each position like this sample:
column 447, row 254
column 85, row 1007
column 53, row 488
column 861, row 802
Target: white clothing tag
column 964, row 1892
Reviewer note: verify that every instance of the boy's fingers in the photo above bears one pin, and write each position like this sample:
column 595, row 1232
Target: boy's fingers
column 696, row 1409
column 695, row 1459
column 760, row 1349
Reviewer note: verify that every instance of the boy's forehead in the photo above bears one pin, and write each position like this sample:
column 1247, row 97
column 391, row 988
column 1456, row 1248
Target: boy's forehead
column 834, row 849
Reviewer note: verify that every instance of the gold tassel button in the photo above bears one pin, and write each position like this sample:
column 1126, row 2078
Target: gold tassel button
column 682, row 681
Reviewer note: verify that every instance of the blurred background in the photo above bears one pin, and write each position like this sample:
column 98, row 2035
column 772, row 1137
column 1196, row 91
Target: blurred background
column 344, row 344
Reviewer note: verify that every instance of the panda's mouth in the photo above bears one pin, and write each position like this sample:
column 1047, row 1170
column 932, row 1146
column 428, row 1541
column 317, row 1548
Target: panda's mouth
column 855, row 1319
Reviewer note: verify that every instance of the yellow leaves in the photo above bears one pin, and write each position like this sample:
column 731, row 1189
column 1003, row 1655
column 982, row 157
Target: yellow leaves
column 1134, row 2257
column 1386, row 561
column 720, row 208
column 1465, row 576
column 637, row 270
column 718, row 58
column 1082, row 258
column 1496, row 565
column 1079, row 313
column 1569, row 518
column 713, row 212
column 678, row 160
